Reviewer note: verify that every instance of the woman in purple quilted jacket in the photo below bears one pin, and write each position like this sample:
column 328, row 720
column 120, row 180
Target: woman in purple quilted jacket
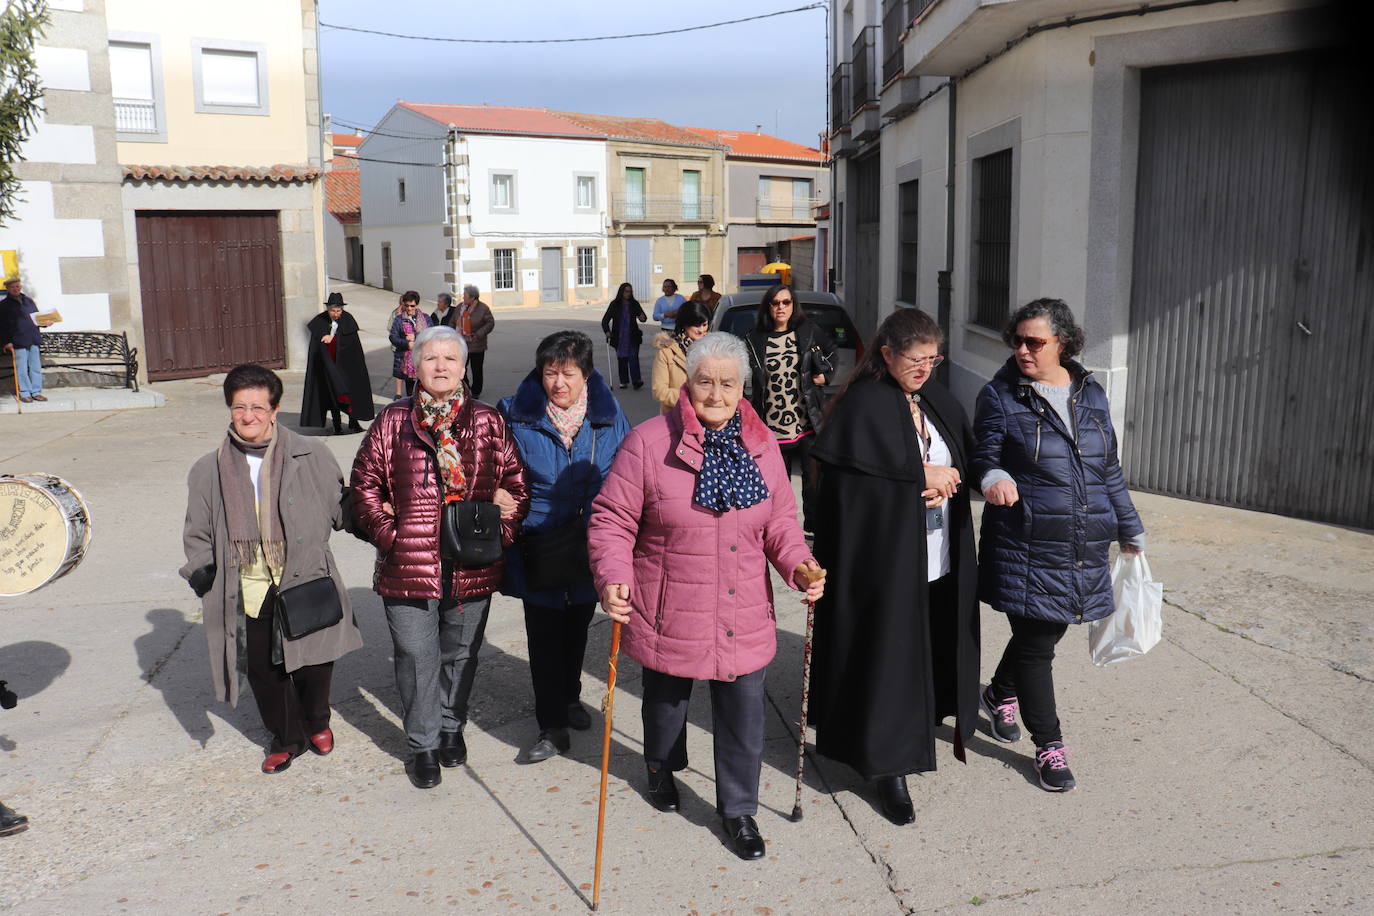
column 702, row 487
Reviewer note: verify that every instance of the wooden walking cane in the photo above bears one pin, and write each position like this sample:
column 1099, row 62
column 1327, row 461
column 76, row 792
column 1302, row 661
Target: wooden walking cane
column 607, row 708
column 811, row 576
column 14, row 364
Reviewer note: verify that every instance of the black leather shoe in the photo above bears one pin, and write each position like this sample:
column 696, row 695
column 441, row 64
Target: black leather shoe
column 354, row 426
column 453, row 750
column 11, row 821
column 896, row 801
column 578, row 717
column 551, row 743
column 743, row 836
column 424, row 770
column 663, row 790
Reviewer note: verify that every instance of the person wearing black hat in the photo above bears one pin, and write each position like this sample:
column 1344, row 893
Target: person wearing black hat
column 336, row 378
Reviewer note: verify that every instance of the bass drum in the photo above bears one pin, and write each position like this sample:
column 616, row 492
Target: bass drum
column 45, row 528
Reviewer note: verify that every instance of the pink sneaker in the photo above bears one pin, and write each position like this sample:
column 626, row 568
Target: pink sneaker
column 1001, row 717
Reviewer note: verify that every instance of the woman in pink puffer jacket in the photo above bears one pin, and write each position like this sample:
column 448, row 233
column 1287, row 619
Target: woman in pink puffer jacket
column 696, row 506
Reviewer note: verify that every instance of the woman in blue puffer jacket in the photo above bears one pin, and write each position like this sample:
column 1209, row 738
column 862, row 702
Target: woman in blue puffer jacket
column 1046, row 460
column 568, row 427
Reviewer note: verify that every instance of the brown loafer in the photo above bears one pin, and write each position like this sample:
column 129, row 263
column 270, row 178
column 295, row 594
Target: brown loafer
column 26, row 399
column 39, row 397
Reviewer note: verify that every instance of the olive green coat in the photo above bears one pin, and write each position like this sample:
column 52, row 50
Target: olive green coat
column 312, row 489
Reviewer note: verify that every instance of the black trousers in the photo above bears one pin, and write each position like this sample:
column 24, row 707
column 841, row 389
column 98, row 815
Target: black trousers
column 1026, row 672
column 737, row 709
column 557, row 639
column 474, row 372
column 293, row 704
column 799, row 454
column 628, row 367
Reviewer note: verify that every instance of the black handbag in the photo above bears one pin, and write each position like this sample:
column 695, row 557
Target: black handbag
column 558, row 558
column 470, row 532
column 306, row 608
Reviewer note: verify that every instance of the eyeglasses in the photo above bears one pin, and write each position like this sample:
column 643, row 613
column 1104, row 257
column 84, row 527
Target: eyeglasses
column 1033, row 344
column 923, row 362
column 239, row 410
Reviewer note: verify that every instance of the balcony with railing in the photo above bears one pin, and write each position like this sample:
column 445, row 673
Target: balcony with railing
column 864, row 121
column 663, row 208
column 795, row 210
column 135, row 116
column 894, row 27
column 946, row 38
column 839, row 97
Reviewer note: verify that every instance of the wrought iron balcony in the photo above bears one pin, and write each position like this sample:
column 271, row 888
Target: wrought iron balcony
column 863, row 75
column 663, row 208
column 135, row 116
column 839, row 97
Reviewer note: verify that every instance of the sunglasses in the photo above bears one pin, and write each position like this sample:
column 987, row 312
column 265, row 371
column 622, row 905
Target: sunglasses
column 782, row 302
column 1033, row 344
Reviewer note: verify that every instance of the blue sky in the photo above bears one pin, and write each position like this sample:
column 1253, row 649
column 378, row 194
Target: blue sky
column 770, row 72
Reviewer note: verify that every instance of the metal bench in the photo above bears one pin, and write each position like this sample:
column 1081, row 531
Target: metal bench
column 97, row 352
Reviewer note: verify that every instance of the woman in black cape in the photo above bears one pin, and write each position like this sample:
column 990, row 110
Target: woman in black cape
column 336, row 378
column 895, row 649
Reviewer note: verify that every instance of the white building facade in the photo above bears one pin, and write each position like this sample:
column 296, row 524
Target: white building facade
column 1184, row 176
column 516, row 209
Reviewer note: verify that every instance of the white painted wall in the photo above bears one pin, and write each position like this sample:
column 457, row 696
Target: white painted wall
column 335, row 249
column 40, row 239
column 417, row 257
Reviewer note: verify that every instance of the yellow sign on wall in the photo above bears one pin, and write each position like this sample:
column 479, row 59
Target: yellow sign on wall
column 9, row 260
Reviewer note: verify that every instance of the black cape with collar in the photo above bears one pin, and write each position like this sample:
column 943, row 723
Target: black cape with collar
column 887, row 668
column 326, row 379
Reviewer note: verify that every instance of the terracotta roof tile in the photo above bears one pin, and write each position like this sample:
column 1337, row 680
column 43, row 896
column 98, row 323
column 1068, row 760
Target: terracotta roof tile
column 503, row 119
column 652, row 129
column 747, row 144
column 346, row 139
column 343, row 195
column 277, row 174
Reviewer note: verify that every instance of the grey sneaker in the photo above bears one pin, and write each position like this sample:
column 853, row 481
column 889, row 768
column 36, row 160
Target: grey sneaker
column 1001, row 717
column 1051, row 762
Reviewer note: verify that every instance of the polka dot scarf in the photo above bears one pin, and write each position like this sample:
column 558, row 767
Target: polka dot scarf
column 729, row 478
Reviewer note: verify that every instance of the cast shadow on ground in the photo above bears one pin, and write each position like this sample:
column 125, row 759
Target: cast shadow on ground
column 176, row 644
column 29, row 668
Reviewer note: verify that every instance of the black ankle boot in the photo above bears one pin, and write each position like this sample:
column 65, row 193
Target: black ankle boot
column 896, row 801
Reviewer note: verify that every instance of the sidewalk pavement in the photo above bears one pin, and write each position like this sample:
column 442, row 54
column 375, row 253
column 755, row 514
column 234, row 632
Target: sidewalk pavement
column 103, row 399
column 1229, row 771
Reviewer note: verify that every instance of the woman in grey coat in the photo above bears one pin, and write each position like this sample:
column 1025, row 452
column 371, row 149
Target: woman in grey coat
column 259, row 511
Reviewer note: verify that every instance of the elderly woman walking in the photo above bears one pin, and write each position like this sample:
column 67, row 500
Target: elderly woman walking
column 620, row 324
column 670, row 362
column 702, row 489
column 896, row 638
column 405, row 328
column 259, row 512
column 422, row 453
column 1046, row 460
column 569, row 427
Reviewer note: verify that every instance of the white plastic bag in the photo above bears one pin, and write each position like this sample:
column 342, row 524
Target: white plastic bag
column 1138, row 622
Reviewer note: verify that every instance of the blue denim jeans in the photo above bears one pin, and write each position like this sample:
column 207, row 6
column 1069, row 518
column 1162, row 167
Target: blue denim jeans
column 29, row 365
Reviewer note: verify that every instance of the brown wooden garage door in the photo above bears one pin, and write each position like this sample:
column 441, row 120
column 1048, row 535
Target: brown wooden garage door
column 212, row 291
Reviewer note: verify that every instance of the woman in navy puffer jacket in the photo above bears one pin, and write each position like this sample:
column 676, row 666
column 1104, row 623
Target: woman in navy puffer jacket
column 1046, row 460
column 568, row 427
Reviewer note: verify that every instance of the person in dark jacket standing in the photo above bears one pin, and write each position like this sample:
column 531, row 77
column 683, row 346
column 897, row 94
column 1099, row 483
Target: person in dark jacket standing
column 1046, row 459
column 792, row 361
column 568, row 427
column 440, row 445
column 407, row 324
column 19, row 335
column 620, row 324
column 336, row 379
column 475, row 322
column 896, row 638
column 444, row 313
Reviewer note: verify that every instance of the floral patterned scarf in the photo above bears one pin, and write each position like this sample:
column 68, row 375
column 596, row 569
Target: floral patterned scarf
column 437, row 418
column 568, row 421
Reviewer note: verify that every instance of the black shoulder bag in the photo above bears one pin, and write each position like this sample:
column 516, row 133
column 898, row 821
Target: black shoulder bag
column 306, row 608
column 557, row 558
column 470, row 532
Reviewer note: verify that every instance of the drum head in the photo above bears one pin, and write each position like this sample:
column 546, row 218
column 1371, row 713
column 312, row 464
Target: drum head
column 35, row 539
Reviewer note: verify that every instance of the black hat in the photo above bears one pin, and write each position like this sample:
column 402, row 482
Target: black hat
column 334, row 299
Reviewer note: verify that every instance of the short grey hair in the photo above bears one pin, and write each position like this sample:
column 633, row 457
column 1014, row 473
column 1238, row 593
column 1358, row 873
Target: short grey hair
column 718, row 345
column 471, row 291
column 439, row 332
column 444, row 299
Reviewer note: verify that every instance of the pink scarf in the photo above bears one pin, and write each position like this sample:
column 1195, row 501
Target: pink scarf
column 568, row 421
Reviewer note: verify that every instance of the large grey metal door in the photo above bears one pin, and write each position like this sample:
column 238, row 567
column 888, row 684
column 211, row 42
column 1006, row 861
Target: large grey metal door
column 1252, row 288
column 637, row 254
column 551, row 275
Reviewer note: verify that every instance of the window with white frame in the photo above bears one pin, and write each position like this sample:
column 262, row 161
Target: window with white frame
column 503, row 268
column 503, row 191
column 131, row 84
column 586, row 192
column 586, row 267
column 230, row 77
